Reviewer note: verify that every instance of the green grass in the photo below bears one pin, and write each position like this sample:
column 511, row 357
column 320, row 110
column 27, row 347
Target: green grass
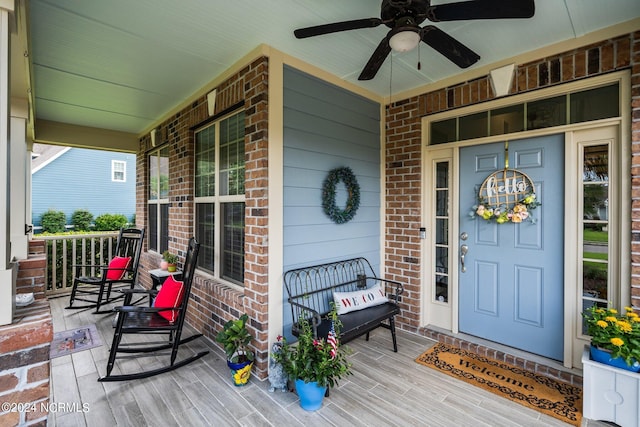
column 595, row 236
column 595, row 255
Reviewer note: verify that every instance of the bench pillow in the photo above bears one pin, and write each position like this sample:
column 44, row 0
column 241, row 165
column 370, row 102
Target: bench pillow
column 170, row 295
column 118, row 267
column 357, row 300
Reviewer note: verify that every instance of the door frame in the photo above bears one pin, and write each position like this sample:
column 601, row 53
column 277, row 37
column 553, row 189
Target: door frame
column 445, row 316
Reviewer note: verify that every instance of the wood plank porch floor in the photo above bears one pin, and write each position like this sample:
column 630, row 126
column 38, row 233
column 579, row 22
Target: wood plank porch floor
column 387, row 389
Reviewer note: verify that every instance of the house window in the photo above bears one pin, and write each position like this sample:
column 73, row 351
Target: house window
column 219, row 197
column 118, row 171
column 596, row 227
column 158, row 202
column 441, row 228
column 585, row 105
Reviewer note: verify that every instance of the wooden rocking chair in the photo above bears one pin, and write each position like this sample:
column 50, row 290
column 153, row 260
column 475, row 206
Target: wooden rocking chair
column 161, row 318
column 120, row 273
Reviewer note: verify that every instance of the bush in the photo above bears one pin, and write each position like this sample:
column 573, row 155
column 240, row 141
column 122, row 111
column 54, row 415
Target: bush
column 110, row 222
column 53, row 221
column 81, row 220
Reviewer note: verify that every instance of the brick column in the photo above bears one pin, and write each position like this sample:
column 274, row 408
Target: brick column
column 24, row 364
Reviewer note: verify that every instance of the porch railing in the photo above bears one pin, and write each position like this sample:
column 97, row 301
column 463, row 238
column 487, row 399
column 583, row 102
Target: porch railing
column 63, row 252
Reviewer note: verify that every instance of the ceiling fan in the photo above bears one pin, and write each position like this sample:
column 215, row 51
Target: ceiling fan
column 404, row 18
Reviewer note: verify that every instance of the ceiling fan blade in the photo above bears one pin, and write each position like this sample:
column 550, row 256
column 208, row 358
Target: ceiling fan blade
column 375, row 62
column 481, row 9
column 318, row 30
column 451, row 48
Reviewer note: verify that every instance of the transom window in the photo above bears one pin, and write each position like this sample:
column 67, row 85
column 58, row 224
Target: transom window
column 576, row 107
column 158, row 202
column 219, row 197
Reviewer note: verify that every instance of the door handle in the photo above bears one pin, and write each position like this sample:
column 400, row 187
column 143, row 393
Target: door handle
column 463, row 251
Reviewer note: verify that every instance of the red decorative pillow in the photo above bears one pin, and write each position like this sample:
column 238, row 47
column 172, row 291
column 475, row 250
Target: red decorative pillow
column 170, row 295
column 117, row 267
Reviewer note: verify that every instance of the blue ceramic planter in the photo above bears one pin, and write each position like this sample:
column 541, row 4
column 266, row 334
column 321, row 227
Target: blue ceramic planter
column 310, row 394
column 240, row 372
column 603, row 356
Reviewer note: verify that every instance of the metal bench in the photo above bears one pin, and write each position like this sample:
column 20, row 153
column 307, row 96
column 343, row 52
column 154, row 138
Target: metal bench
column 311, row 289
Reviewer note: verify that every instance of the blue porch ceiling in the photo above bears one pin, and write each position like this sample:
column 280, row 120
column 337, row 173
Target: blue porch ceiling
column 123, row 64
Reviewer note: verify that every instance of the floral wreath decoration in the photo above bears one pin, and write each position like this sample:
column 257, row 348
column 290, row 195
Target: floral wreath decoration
column 337, row 215
column 501, row 214
column 506, row 196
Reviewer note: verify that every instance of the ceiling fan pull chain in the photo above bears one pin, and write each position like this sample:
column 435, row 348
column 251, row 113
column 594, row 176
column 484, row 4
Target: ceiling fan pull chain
column 419, row 64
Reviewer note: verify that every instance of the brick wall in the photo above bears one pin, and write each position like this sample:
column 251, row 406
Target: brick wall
column 214, row 303
column 31, row 272
column 24, row 349
column 403, row 189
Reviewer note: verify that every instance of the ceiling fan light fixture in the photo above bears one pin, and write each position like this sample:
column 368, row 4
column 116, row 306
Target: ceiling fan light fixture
column 404, row 41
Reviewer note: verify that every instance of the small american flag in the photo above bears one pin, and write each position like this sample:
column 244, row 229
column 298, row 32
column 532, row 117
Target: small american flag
column 333, row 342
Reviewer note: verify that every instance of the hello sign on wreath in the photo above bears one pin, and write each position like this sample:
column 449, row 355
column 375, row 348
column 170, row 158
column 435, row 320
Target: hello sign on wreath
column 505, row 196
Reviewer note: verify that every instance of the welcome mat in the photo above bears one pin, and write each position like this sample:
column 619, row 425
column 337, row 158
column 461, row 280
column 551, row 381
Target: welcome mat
column 74, row 340
column 555, row 398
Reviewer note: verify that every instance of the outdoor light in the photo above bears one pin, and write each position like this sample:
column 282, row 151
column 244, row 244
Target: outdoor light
column 404, row 41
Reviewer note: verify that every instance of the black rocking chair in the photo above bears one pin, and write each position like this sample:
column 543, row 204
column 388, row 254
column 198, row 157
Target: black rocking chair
column 136, row 319
column 120, row 273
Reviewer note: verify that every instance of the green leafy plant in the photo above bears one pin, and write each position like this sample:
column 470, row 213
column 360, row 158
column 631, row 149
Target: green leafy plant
column 314, row 359
column 53, row 221
column 170, row 257
column 235, row 339
column 108, row 222
column 617, row 333
column 81, row 220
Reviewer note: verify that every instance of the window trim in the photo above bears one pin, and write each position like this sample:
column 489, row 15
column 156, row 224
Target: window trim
column 217, row 200
column 158, row 202
column 114, row 163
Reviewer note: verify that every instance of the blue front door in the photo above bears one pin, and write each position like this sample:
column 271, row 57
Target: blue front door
column 511, row 289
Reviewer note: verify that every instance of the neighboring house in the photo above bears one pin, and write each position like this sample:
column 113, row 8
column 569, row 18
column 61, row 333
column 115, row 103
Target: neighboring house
column 67, row 179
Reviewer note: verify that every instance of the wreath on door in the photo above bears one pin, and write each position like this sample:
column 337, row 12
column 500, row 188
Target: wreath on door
column 506, row 196
column 338, row 215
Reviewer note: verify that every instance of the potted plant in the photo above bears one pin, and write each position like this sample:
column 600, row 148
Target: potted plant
column 615, row 338
column 235, row 339
column 315, row 364
column 171, row 259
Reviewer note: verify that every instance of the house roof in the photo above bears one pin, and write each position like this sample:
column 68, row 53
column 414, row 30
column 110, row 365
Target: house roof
column 44, row 154
column 123, row 65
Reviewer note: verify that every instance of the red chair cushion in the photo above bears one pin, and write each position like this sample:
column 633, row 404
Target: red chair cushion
column 170, row 295
column 119, row 266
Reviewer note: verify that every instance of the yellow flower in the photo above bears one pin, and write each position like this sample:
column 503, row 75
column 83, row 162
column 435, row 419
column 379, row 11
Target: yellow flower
column 488, row 213
column 624, row 326
column 613, row 311
column 602, row 323
column 617, row 342
column 611, row 319
column 516, row 217
column 628, row 309
column 635, row 319
column 242, row 375
column 632, row 315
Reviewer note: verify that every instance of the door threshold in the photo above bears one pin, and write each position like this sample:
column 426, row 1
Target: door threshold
column 529, row 361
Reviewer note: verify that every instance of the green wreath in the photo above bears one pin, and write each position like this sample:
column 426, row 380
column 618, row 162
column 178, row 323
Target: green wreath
column 337, row 215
